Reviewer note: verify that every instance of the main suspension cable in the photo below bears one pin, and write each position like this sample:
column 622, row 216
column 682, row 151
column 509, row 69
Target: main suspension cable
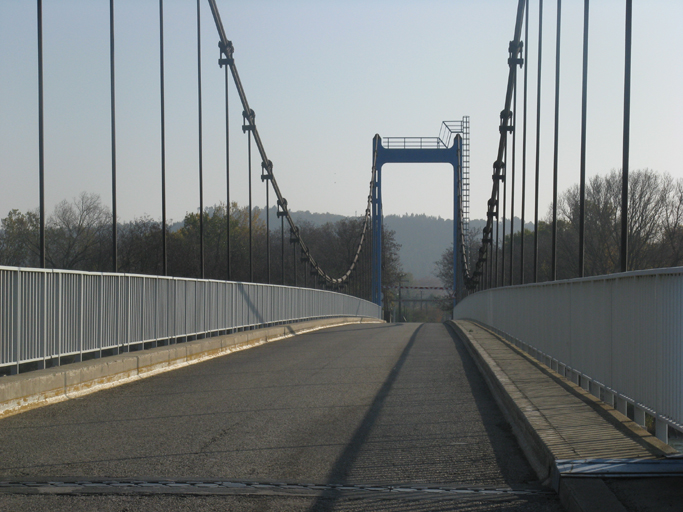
column 227, row 51
column 505, row 127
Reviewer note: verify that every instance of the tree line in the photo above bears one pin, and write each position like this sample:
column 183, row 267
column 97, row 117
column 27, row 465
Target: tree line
column 655, row 231
column 78, row 236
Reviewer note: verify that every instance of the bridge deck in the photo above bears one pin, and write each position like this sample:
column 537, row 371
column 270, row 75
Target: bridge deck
column 363, row 405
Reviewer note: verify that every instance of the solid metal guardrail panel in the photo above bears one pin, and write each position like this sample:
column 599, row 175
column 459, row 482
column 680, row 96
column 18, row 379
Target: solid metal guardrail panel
column 46, row 315
column 622, row 333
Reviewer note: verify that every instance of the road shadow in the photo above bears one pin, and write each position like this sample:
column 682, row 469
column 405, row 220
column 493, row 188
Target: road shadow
column 342, row 466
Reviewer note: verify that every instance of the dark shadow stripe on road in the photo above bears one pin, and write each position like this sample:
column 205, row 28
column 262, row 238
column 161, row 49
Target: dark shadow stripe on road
column 505, row 445
column 344, row 463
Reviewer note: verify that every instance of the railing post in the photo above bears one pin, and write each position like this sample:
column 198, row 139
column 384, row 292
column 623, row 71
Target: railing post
column 100, row 320
column 80, row 316
column 43, row 319
column 58, row 319
column 622, row 405
column 17, row 319
column 627, row 128
column 661, row 430
column 639, row 415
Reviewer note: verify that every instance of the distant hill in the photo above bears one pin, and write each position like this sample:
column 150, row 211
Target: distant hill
column 317, row 219
column 423, row 239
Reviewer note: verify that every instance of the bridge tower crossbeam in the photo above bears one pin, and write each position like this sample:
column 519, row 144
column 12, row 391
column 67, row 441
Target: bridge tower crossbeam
column 447, row 148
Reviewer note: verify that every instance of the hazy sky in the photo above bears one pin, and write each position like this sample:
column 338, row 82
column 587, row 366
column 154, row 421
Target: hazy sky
column 323, row 77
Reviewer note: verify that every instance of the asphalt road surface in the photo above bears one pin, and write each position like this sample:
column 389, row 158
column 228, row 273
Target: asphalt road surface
column 363, row 417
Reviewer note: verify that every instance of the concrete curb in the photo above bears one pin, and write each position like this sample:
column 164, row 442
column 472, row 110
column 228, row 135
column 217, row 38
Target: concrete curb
column 576, row 494
column 19, row 393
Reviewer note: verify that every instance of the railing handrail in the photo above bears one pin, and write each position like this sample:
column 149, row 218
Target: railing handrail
column 49, row 314
column 169, row 278
column 673, row 271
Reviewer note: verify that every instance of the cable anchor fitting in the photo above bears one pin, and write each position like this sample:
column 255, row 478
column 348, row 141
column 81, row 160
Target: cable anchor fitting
column 282, row 203
column 226, row 51
column 251, row 117
column 266, row 170
column 515, row 50
column 293, row 235
column 505, row 117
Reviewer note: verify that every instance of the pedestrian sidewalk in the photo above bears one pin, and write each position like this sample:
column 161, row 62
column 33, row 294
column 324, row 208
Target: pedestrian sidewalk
column 567, row 434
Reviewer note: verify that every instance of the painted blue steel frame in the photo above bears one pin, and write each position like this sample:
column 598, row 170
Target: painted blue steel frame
column 438, row 154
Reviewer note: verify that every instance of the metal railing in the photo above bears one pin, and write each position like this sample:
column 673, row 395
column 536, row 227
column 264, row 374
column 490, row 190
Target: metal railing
column 413, row 143
column 618, row 336
column 48, row 315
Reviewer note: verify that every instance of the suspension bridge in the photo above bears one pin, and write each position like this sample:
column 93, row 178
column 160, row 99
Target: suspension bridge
column 563, row 394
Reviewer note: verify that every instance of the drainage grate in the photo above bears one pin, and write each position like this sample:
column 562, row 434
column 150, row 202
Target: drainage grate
column 104, row 486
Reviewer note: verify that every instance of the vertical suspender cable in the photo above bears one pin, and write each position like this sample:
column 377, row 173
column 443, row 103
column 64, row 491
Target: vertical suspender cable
column 512, row 185
column 479, row 283
column 113, row 133
column 352, row 285
column 490, row 258
column 227, row 50
column 582, row 186
column 282, row 236
column 164, row 257
column 251, row 259
column 505, row 118
column 359, row 268
column 267, row 229
column 491, row 268
column 627, row 128
column 296, row 281
column 538, row 135
column 41, row 134
column 505, row 188
column 485, row 269
column 495, row 270
column 553, row 264
column 227, row 167
column 368, row 274
column 367, row 271
column 363, row 279
column 201, row 170
column 523, row 206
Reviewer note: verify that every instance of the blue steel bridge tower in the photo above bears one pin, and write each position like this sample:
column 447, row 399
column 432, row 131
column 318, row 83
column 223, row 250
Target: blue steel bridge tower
column 452, row 146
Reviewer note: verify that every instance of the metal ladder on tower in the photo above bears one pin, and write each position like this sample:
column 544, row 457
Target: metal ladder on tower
column 465, row 198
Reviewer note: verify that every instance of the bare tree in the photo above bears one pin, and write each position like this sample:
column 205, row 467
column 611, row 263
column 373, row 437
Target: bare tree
column 19, row 244
column 672, row 223
column 649, row 197
column 77, row 234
